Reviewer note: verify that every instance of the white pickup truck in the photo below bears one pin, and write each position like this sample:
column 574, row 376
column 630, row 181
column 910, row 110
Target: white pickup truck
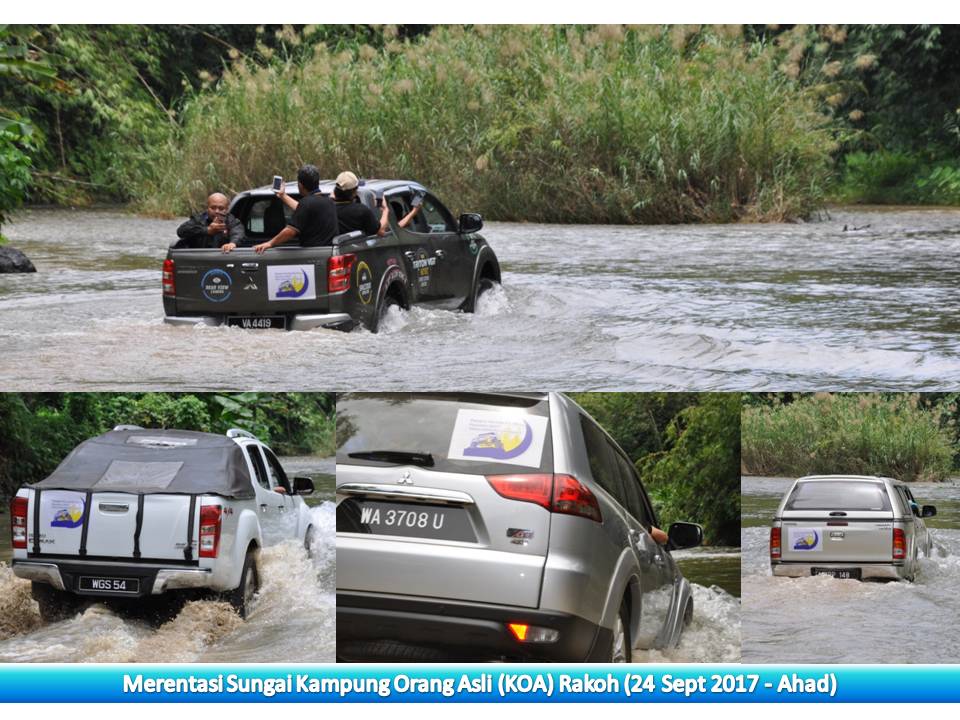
column 136, row 513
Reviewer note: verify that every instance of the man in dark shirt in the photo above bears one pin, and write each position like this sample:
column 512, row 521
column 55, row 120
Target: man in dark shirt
column 214, row 227
column 314, row 221
column 354, row 215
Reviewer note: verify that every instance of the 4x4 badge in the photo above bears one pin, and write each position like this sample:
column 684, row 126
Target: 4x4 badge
column 405, row 478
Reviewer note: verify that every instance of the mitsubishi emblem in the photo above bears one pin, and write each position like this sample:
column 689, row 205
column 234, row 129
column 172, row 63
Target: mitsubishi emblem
column 405, row 478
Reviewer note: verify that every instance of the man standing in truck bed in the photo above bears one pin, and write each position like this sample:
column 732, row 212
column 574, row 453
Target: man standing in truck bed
column 314, row 221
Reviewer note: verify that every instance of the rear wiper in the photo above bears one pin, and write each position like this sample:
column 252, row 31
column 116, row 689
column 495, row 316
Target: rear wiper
column 399, row 457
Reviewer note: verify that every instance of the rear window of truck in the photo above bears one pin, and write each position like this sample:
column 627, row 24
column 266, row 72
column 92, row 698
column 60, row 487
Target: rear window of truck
column 840, row 495
column 450, row 432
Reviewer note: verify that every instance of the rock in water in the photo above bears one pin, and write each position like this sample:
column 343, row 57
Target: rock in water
column 14, row 261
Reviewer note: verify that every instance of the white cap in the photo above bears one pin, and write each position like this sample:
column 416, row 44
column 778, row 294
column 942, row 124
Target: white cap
column 347, row 180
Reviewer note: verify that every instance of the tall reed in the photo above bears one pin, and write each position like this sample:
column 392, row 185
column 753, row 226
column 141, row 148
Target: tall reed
column 866, row 434
column 592, row 125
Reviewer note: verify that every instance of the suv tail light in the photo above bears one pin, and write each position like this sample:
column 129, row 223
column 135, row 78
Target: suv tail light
column 562, row 494
column 774, row 542
column 339, row 268
column 169, row 286
column 18, row 523
column 210, row 520
column 899, row 544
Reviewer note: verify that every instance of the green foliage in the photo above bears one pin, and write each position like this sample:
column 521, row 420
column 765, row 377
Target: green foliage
column 697, row 478
column 535, row 123
column 38, row 430
column 14, row 172
column 686, row 447
column 898, row 178
column 892, row 435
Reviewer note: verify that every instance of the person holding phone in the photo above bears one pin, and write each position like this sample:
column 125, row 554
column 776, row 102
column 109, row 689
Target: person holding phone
column 351, row 213
column 314, row 220
column 214, row 227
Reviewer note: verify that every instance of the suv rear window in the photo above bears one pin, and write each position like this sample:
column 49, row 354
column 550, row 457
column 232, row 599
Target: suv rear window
column 839, row 495
column 451, row 432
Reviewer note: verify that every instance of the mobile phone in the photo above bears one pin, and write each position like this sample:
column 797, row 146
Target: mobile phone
column 416, row 200
column 277, row 182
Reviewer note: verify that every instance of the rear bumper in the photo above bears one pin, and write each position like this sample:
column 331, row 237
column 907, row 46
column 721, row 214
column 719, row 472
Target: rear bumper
column 296, row 322
column 463, row 630
column 154, row 580
column 868, row 571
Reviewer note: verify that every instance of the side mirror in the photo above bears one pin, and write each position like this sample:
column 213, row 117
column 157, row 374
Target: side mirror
column 685, row 535
column 928, row 511
column 471, row 222
column 302, row 486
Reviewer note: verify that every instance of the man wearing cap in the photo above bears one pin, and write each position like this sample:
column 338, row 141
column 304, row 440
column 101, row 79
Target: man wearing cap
column 314, row 220
column 351, row 213
column 354, row 215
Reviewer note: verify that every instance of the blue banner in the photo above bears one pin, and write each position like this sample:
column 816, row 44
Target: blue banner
column 480, row 683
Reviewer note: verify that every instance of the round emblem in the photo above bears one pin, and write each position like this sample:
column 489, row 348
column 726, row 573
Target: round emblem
column 215, row 285
column 364, row 282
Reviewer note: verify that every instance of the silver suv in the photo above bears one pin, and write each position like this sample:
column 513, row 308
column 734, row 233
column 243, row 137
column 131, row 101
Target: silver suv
column 507, row 526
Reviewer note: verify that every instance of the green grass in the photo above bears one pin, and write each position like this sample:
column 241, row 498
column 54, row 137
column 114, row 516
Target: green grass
column 899, row 178
column 834, row 433
column 519, row 123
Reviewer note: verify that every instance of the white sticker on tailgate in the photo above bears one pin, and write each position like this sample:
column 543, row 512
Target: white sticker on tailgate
column 503, row 437
column 805, row 539
column 291, row 282
column 61, row 509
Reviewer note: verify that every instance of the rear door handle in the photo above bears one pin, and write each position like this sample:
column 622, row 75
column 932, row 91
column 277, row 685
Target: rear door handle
column 409, row 254
column 263, row 506
column 440, row 254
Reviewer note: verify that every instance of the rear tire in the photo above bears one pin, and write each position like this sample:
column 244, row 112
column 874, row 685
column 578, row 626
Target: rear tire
column 308, row 541
column 620, row 645
column 242, row 596
column 55, row 605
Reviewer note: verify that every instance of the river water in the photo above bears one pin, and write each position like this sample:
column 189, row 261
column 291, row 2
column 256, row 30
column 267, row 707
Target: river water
column 731, row 307
column 294, row 616
column 714, row 634
column 823, row 620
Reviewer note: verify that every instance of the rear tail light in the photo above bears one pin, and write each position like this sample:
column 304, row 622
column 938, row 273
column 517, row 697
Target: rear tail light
column 562, row 494
column 533, row 634
column 339, row 268
column 18, row 523
column 774, row 543
column 899, row 544
column 210, row 520
column 169, row 286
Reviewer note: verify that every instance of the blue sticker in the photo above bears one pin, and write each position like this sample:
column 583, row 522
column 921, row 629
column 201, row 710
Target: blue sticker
column 70, row 516
column 807, row 541
column 509, row 443
column 296, row 285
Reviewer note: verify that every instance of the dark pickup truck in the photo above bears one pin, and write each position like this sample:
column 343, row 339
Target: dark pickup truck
column 436, row 261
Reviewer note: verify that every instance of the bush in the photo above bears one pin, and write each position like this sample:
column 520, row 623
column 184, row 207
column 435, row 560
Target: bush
column 884, row 177
column 863, row 434
column 555, row 124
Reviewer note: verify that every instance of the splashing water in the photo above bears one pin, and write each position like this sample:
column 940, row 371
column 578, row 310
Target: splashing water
column 293, row 616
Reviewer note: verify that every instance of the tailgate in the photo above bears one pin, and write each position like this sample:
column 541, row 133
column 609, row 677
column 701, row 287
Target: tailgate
column 846, row 536
column 443, row 535
column 112, row 525
column 282, row 280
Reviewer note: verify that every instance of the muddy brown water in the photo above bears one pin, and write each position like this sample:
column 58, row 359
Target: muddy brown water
column 741, row 307
column 824, row 620
column 294, row 617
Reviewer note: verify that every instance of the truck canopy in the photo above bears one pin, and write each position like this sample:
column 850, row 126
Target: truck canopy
column 144, row 462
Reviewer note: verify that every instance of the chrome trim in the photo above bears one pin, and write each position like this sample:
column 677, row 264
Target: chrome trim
column 427, row 495
column 309, row 322
column 180, row 579
column 181, row 320
column 39, row 572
